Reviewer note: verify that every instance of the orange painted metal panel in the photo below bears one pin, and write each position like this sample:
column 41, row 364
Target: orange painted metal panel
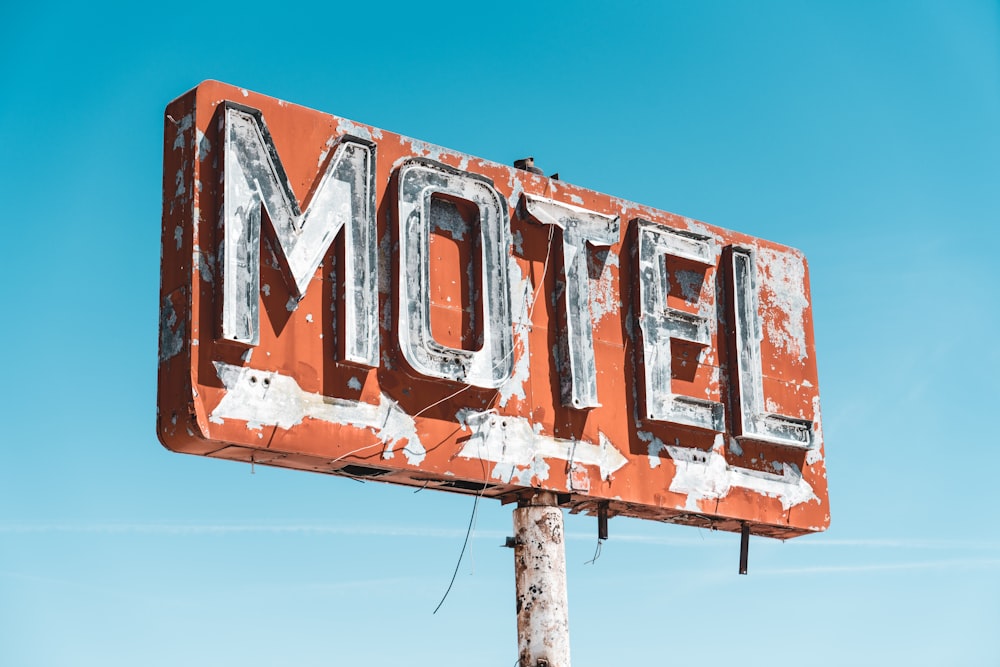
column 731, row 312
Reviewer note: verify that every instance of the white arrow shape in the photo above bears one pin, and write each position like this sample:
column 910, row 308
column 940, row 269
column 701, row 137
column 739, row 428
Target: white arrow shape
column 265, row 398
column 513, row 443
column 702, row 475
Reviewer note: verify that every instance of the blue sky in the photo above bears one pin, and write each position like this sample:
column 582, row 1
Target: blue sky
column 865, row 134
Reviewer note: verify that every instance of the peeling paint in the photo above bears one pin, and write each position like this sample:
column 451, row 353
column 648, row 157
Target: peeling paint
column 205, row 262
column 262, row 398
column 734, row 447
column 518, row 240
column 518, row 449
column 179, row 180
column 521, row 295
column 171, row 330
column 815, row 455
column 183, row 125
column 345, row 126
column 704, row 475
column 783, row 274
column 204, row 145
column 690, row 283
column 604, row 297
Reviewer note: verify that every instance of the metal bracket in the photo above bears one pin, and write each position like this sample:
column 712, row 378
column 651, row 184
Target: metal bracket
column 744, row 547
column 602, row 521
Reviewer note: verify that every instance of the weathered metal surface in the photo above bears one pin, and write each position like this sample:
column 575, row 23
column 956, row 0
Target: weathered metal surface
column 342, row 299
column 540, row 583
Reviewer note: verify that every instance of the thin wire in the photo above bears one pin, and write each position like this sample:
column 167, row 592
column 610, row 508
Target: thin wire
column 450, row 396
column 597, row 552
column 355, row 451
column 468, row 532
column 492, row 402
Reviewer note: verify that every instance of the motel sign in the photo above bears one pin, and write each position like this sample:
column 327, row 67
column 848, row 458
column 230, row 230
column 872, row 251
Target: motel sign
column 341, row 299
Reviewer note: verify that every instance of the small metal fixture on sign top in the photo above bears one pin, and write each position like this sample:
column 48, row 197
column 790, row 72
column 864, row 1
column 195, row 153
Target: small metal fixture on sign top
column 528, row 164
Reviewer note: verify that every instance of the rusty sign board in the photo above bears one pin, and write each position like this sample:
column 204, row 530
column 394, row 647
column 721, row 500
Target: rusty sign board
column 341, row 299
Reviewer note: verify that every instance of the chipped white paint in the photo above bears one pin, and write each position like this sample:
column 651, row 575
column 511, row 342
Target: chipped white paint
column 702, row 475
column 783, row 274
column 345, row 126
column 513, row 443
column 815, row 455
column 263, row 398
column 183, row 125
column 171, row 331
column 517, row 238
column 521, row 294
column 204, row 145
column 516, row 189
column 179, row 180
column 424, row 149
column 205, row 262
column 604, row 298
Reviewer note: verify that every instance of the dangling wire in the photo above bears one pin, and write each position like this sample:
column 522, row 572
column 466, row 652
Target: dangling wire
column 468, row 532
column 597, row 552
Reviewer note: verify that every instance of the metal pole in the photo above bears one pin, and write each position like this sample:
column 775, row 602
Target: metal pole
column 540, row 581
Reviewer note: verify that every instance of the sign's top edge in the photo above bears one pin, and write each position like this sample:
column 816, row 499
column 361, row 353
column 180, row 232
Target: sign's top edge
column 216, row 88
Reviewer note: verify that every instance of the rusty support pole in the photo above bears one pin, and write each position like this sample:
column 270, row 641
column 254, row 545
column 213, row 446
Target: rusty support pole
column 540, row 581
